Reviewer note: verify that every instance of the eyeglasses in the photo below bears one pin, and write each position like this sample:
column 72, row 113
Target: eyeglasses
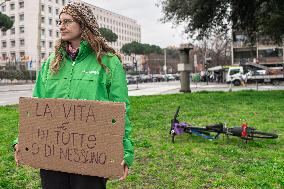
column 65, row 22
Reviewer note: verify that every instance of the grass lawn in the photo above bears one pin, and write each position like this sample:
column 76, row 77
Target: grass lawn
column 192, row 162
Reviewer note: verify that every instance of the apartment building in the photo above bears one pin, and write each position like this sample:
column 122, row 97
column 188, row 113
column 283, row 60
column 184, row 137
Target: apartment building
column 126, row 28
column 20, row 42
column 264, row 52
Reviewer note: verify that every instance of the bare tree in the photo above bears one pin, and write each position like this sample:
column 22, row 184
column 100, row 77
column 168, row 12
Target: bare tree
column 214, row 50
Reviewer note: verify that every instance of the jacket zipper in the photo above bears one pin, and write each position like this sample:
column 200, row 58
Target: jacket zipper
column 73, row 64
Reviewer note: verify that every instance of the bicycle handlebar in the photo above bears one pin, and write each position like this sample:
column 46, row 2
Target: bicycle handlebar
column 176, row 114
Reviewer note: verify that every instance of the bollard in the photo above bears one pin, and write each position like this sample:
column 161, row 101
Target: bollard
column 184, row 67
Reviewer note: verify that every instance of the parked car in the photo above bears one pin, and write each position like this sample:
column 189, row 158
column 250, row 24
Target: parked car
column 148, row 78
column 169, row 77
column 137, row 78
column 157, row 77
column 177, row 76
column 130, row 79
column 145, row 78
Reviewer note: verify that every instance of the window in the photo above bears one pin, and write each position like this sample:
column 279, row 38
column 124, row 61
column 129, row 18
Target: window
column 50, row 44
column 234, row 71
column 42, row 55
column 63, row 2
column 240, row 38
column 4, row 33
column 12, row 31
column 42, row 8
column 42, row 32
column 4, row 44
column 3, row 8
column 275, row 52
column 21, row 4
column 13, row 55
column 4, row 56
column 13, row 43
column 50, row 10
column 42, row 20
column 42, row 43
column 50, row 21
column 12, row 6
column 21, row 17
column 22, row 42
column 56, row 1
column 22, row 54
column 22, row 29
column 57, row 11
column 50, row 33
column 12, row 18
column 57, row 33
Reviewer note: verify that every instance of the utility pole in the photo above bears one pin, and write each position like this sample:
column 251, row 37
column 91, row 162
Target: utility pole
column 135, row 63
column 282, row 57
column 165, row 63
column 232, row 51
column 205, row 66
column 283, row 60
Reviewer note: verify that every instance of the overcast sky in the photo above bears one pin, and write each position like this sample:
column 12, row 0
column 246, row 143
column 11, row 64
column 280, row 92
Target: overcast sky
column 147, row 15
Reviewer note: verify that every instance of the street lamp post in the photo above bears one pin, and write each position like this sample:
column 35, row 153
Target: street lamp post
column 165, row 64
column 136, row 67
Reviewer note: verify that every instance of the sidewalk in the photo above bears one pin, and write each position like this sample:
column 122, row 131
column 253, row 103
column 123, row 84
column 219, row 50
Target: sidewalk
column 153, row 88
column 9, row 94
column 163, row 87
column 7, row 88
column 173, row 87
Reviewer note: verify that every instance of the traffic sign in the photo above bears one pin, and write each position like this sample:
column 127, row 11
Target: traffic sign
column 30, row 65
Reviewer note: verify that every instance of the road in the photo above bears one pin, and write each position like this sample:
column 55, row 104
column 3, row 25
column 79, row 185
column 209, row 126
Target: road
column 9, row 94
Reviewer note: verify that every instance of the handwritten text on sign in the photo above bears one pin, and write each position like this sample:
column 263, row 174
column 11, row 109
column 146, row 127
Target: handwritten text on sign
column 74, row 136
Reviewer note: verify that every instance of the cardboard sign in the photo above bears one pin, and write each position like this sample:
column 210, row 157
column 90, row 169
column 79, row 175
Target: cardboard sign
column 74, row 136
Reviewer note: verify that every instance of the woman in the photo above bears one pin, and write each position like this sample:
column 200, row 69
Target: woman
column 82, row 67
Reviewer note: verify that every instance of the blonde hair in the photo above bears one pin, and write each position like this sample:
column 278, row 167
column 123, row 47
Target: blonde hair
column 98, row 45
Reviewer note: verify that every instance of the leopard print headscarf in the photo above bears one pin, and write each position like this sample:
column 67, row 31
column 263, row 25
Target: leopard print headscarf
column 83, row 14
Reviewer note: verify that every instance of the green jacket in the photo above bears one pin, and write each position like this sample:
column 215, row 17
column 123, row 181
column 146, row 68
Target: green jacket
column 85, row 78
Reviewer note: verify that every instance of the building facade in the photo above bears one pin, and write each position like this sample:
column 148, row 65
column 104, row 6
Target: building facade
column 127, row 29
column 264, row 52
column 22, row 40
column 20, row 43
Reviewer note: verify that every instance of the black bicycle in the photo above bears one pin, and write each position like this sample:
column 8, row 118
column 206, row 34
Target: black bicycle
column 244, row 132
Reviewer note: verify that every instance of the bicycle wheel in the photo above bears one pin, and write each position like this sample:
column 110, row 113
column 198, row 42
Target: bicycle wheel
column 260, row 134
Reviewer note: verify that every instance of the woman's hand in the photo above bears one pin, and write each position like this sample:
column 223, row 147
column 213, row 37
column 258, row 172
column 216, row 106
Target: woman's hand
column 125, row 170
column 16, row 147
